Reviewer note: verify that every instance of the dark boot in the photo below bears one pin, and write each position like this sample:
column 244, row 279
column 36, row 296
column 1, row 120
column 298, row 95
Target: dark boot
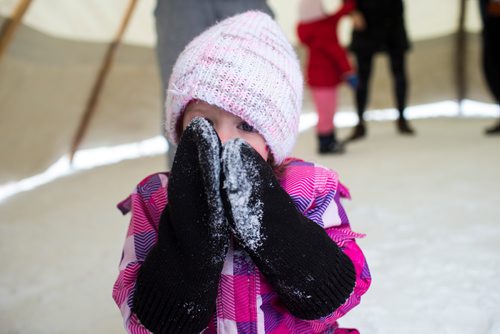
column 493, row 130
column 328, row 144
column 359, row 132
column 404, row 128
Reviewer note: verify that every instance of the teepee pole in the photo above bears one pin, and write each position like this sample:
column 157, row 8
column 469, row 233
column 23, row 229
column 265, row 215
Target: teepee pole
column 11, row 24
column 99, row 82
column 461, row 57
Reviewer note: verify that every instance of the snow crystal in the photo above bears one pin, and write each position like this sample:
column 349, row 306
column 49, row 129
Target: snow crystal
column 192, row 308
column 293, row 291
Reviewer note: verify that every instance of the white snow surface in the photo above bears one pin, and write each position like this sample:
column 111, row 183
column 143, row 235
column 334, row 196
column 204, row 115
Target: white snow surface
column 430, row 206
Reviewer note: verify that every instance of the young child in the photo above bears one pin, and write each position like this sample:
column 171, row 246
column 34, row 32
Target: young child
column 238, row 237
column 327, row 66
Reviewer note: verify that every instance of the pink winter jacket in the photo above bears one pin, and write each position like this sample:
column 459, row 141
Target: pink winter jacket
column 246, row 303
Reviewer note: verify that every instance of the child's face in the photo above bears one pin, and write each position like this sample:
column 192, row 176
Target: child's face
column 227, row 125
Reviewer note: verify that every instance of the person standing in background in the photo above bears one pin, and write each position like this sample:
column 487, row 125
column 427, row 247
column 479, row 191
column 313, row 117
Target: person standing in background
column 327, row 66
column 178, row 21
column 379, row 26
column 490, row 15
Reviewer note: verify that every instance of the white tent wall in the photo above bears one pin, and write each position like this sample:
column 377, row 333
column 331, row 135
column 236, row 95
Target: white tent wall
column 89, row 20
column 45, row 82
column 94, row 20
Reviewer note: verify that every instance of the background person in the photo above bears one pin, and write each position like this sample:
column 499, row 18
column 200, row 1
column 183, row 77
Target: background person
column 327, row 66
column 379, row 26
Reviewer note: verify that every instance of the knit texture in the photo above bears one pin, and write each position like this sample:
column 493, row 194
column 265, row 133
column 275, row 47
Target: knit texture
column 246, row 66
column 282, row 242
column 177, row 284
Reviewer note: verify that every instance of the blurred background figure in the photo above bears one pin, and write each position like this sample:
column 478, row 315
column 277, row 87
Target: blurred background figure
column 327, row 66
column 179, row 21
column 379, row 26
column 490, row 15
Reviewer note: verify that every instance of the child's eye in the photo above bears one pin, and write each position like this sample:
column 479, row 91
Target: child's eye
column 246, row 127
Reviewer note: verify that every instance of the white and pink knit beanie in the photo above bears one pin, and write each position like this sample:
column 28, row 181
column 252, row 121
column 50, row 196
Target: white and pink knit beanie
column 246, row 66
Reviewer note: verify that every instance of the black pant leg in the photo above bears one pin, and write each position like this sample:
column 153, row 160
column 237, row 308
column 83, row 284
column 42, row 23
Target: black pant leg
column 400, row 82
column 491, row 55
column 364, row 63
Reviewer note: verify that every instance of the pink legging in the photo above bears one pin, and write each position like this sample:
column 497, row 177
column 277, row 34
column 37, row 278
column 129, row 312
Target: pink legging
column 325, row 100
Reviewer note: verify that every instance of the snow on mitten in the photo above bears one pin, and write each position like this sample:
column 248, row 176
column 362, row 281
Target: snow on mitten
column 177, row 283
column 310, row 273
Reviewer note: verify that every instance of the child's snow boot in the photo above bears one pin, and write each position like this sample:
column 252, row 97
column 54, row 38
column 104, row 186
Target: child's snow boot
column 328, row 144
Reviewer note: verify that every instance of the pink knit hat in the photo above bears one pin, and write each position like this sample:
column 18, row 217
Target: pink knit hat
column 246, row 66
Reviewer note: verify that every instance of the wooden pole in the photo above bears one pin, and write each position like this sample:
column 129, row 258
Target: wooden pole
column 99, row 83
column 461, row 58
column 11, row 24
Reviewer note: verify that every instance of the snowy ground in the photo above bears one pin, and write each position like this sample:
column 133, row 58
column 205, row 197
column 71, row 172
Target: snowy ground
column 430, row 206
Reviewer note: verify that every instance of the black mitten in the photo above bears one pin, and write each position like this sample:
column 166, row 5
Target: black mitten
column 177, row 284
column 310, row 273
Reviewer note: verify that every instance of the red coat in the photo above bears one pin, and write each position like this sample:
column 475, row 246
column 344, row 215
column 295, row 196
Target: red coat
column 327, row 62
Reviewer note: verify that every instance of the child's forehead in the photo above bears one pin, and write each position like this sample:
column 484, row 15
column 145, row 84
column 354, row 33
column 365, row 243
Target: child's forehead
column 202, row 107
